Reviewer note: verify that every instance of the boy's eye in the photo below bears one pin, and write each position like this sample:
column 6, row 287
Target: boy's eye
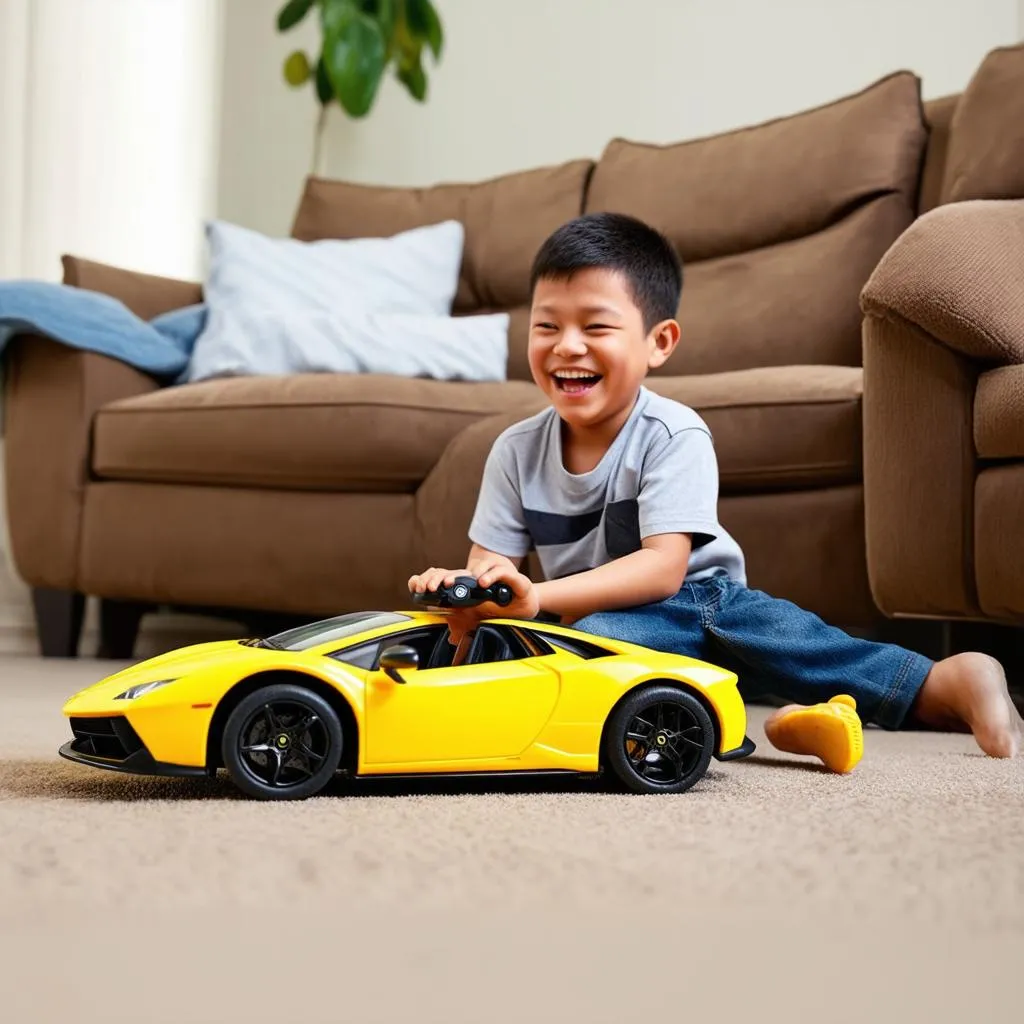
column 599, row 327
column 545, row 327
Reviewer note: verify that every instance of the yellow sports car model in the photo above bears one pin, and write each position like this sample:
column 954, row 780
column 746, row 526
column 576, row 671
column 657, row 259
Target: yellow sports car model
column 386, row 693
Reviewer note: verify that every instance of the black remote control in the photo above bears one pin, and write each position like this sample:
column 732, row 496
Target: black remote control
column 465, row 592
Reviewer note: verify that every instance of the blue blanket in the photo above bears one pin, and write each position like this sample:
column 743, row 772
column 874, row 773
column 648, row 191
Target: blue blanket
column 99, row 323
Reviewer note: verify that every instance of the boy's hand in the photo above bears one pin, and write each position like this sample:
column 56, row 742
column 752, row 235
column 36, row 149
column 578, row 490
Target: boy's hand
column 434, row 579
column 525, row 602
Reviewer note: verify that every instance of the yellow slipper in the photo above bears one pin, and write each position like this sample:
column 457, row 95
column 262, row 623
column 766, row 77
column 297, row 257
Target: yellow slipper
column 829, row 731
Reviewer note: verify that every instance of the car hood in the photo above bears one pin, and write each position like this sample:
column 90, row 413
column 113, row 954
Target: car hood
column 175, row 664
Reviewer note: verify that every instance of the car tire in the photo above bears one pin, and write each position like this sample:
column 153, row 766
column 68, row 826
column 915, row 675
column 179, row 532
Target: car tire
column 660, row 739
column 282, row 742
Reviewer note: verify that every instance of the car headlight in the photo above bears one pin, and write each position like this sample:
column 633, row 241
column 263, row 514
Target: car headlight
column 137, row 691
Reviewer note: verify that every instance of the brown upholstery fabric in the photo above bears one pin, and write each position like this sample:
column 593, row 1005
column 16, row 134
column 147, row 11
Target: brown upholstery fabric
column 999, row 513
column 938, row 114
column 308, row 553
column 332, row 432
column 505, row 218
column 145, row 295
column 986, row 145
column 789, row 427
column 958, row 273
column 788, row 304
column 807, row 547
column 918, row 471
column 779, row 225
column 778, row 428
column 518, row 341
column 774, row 182
column 52, row 392
column 999, row 413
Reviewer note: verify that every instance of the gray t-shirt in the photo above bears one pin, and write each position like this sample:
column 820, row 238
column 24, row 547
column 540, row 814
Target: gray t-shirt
column 660, row 475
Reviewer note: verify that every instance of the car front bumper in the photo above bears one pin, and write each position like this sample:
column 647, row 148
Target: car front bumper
column 745, row 749
column 113, row 744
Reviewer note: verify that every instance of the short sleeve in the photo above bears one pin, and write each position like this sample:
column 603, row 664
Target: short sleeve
column 679, row 487
column 498, row 522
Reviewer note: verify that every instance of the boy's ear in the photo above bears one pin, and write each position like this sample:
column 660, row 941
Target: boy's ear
column 664, row 338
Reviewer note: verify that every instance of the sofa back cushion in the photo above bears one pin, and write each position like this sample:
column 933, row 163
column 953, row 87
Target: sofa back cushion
column 778, row 225
column 986, row 139
column 938, row 115
column 505, row 219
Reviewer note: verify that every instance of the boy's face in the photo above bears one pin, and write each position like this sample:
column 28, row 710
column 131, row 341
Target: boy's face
column 590, row 325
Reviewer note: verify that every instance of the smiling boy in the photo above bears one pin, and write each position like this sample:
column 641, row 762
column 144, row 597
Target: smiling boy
column 616, row 488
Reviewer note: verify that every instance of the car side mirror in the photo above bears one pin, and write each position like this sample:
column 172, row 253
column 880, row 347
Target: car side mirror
column 398, row 659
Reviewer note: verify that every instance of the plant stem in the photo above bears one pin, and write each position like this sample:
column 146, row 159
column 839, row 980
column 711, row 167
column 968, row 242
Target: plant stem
column 318, row 141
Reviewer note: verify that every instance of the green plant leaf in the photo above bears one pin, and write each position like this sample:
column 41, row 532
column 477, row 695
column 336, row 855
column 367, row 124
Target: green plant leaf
column 425, row 25
column 354, row 55
column 297, row 69
column 324, row 89
column 292, row 13
column 414, row 78
column 384, row 12
column 435, row 32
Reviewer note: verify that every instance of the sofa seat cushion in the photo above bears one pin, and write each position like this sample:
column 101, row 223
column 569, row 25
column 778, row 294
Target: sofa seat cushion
column 778, row 428
column 999, row 413
column 328, row 432
column 775, row 428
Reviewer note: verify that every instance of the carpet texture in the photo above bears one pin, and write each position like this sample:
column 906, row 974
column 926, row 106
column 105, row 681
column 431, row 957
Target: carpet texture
column 903, row 881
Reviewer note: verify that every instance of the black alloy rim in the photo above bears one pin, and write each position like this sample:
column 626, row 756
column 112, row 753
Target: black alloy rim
column 284, row 743
column 664, row 743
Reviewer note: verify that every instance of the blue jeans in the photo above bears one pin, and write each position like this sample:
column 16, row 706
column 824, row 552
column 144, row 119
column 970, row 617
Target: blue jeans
column 775, row 648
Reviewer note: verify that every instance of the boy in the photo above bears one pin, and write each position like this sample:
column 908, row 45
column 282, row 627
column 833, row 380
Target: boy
column 617, row 489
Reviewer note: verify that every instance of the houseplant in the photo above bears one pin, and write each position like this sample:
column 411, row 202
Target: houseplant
column 359, row 41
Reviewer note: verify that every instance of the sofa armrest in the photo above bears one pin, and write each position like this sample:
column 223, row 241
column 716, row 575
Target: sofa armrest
column 945, row 304
column 146, row 295
column 52, row 392
column 957, row 274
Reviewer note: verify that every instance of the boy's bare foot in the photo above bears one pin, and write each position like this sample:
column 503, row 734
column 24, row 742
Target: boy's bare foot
column 968, row 693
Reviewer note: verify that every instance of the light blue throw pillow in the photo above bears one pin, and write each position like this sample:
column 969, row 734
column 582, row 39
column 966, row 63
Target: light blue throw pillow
column 279, row 306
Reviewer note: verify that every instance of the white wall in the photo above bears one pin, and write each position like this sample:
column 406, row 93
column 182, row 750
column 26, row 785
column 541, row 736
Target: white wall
column 119, row 147
column 109, row 118
column 539, row 81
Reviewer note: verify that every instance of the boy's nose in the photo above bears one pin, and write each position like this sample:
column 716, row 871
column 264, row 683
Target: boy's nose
column 570, row 343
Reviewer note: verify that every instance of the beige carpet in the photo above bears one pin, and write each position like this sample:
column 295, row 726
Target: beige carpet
column 894, row 893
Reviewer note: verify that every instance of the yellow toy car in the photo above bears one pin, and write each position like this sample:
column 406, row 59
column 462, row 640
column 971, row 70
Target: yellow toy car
column 386, row 694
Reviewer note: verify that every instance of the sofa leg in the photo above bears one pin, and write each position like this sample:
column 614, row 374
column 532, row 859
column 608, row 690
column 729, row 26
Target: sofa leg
column 119, row 628
column 59, row 615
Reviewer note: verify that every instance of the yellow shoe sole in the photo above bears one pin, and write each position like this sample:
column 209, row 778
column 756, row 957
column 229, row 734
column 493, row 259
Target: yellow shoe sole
column 831, row 732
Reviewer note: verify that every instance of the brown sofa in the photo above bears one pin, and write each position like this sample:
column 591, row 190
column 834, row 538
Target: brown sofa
column 944, row 381
column 314, row 495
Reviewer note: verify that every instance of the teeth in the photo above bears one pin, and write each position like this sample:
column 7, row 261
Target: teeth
column 573, row 374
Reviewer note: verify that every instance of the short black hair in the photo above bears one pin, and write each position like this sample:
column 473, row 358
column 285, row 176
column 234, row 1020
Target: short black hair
column 615, row 241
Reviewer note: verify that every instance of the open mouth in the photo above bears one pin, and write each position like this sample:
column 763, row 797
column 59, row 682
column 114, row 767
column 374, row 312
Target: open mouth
column 575, row 383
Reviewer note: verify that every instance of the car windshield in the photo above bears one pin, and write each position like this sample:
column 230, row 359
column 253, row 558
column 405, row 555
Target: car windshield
column 325, row 631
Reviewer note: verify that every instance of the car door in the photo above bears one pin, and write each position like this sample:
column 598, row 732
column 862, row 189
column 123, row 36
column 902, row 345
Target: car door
column 492, row 706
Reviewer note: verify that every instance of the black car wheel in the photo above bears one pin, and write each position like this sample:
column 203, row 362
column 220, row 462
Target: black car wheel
column 283, row 742
column 659, row 740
